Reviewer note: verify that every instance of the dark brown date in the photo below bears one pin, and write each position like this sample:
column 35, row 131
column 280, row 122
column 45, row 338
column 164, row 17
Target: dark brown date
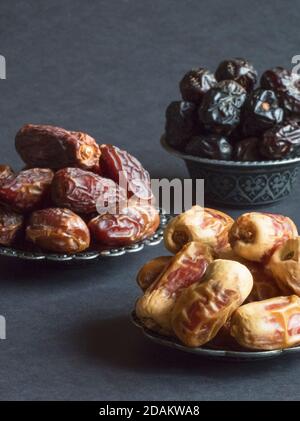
column 115, row 161
column 281, row 142
column 58, row 230
column 5, row 173
column 195, row 83
column 132, row 224
column 247, row 150
column 11, row 224
column 54, row 147
column 28, row 190
column 81, row 190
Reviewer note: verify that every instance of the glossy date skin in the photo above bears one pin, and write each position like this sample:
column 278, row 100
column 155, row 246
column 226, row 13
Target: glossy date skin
column 269, row 324
column 185, row 268
column 131, row 224
column 58, row 230
column 195, row 83
column 81, row 190
column 239, row 70
column 11, row 224
column 281, row 142
column 116, row 163
column 150, row 271
column 28, row 190
column 206, row 306
column 54, row 147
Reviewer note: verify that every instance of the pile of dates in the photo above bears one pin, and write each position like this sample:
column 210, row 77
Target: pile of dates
column 228, row 284
column 226, row 115
column 73, row 193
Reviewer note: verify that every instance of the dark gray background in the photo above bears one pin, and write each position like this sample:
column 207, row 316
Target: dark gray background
column 110, row 68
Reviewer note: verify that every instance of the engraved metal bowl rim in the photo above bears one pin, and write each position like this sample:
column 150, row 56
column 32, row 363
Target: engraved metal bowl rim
column 229, row 164
column 172, row 342
column 90, row 255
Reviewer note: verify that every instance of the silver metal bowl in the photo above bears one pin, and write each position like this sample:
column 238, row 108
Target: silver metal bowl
column 208, row 352
column 241, row 184
column 90, row 255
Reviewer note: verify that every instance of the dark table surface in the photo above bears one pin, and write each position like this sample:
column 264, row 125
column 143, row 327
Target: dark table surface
column 110, row 68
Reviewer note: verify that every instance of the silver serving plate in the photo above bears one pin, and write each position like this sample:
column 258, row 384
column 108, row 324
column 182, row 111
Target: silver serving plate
column 208, row 352
column 90, row 255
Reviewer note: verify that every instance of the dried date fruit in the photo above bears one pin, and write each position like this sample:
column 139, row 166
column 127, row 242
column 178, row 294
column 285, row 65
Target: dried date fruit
column 281, row 142
column 221, row 107
column 208, row 226
column 126, row 170
column 204, row 307
column 131, row 224
column 58, row 230
column 211, row 146
column 247, row 150
column 11, row 224
column 28, row 190
column 255, row 235
column 286, row 85
column 150, row 271
column 186, row 267
column 268, row 324
column 181, row 123
column 54, row 147
column 5, row 173
column 285, row 266
column 195, row 83
column 239, row 70
column 81, row 191
column 261, row 112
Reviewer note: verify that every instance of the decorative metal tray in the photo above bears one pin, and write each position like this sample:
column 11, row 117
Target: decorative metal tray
column 228, row 354
column 90, row 255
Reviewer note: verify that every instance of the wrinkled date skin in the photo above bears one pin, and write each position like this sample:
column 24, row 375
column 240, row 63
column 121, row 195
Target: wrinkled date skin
column 151, row 270
column 195, row 83
column 286, row 86
column 239, row 70
column 206, row 225
column 28, row 190
column 211, row 146
column 281, row 142
column 5, row 173
column 268, row 324
column 261, row 112
column 131, row 224
column 256, row 235
column 54, row 147
column 11, row 224
column 115, row 161
column 58, row 230
column 206, row 306
column 81, row 190
column 285, row 266
column 185, row 268
column 221, row 107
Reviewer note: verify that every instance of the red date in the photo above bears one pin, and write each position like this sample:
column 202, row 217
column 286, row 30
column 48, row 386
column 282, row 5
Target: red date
column 26, row 191
column 58, row 230
column 132, row 224
column 11, row 224
column 81, row 190
column 114, row 161
column 55, row 147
